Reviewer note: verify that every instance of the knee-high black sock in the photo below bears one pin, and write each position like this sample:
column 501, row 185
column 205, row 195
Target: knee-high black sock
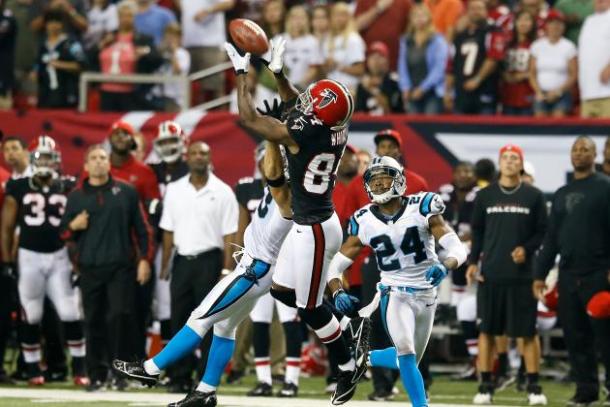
column 261, row 341
column 166, row 331
column 29, row 336
column 76, row 345
column 327, row 327
column 471, row 337
column 294, row 340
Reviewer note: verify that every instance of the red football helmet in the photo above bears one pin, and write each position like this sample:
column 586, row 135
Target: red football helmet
column 170, row 142
column 329, row 101
column 44, row 156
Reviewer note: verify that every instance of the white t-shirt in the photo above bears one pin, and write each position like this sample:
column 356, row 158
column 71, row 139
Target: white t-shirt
column 594, row 56
column 174, row 90
column 552, row 62
column 199, row 219
column 346, row 52
column 101, row 22
column 208, row 33
column 301, row 53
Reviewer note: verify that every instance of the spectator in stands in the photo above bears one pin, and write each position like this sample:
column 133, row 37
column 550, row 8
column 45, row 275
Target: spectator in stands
column 508, row 224
column 320, row 24
column 115, row 248
column 472, row 79
column 8, row 39
column 498, row 13
column 445, row 15
column 594, row 62
column 346, row 172
column 126, row 52
column 553, row 69
column 537, row 8
column 364, row 158
column 383, row 20
column 58, row 66
column 378, row 93
column 575, row 12
column 73, row 11
column 303, row 56
column 274, row 15
column 103, row 19
column 516, row 93
column 203, row 35
column 604, row 167
column 579, row 233
column 169, row 96
column 152, row 19
column 344, row 51
column 422, row 60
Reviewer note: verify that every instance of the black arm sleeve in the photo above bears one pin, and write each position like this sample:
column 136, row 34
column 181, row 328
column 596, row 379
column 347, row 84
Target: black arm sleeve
column 477, row 226
column 533, row 243
column 69, row 214
column 549, row 249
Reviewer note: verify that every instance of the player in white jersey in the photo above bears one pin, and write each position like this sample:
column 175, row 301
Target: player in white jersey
column 402, row 232
column 233, row 297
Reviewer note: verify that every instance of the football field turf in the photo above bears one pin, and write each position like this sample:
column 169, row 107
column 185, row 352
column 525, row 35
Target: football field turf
column 444, row 392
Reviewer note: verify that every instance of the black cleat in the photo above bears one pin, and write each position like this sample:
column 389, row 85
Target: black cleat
column 360, row 328
column 197, row 399
column 582, row 400
column 346, row 387
column 288, row 390
column 134, row 371
column 261, row 390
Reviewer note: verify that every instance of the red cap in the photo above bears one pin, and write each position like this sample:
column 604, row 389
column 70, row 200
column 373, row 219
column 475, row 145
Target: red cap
column 555, row 15
column 379, row 48
column 123, row 126
column 513, row 148
column 599, row 305
column 389, row 133
column 351, row 149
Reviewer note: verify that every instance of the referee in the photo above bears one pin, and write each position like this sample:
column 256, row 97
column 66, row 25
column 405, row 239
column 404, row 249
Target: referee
column 579, row 231
column 508, row 225
column 199, row 220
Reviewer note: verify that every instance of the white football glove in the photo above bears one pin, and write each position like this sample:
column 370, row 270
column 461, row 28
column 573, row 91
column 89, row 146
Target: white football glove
column 240, row 63
column 274, row 57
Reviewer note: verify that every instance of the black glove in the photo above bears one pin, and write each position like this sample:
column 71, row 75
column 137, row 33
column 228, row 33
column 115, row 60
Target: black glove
column 9, row 269
column 75, row 279
column 274, row 111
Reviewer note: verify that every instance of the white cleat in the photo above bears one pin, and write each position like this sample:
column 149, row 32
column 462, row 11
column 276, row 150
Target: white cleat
column 482, row 399
column 534, row 399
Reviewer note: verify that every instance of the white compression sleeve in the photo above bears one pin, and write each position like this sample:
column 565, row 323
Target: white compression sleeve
column 454, row 246
column 338, row 265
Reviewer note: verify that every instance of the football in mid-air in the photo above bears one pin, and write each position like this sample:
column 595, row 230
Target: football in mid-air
column 248, row 36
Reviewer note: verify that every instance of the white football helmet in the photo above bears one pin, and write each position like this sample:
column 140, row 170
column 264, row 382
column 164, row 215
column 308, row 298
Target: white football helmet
column 170, row 143
column 45, row 158
column 385, row 166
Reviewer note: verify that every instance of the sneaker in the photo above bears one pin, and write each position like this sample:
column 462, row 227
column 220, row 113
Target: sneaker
column 485, row 394
column 134, row 371
column 261, row 390
column 36, row 380
column 535, row 397
column 288, row 390
column 346, row 386
column 56, row 375
column 197, row 399
column 81, row 381
column 504, row 381
column 234, row 376
column 96, row 385
column 381, row 395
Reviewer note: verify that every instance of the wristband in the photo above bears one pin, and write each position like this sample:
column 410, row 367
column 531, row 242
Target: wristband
column 278, row 182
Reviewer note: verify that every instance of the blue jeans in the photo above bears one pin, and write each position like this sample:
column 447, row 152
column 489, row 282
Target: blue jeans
column 563, row 104
column 428, row 104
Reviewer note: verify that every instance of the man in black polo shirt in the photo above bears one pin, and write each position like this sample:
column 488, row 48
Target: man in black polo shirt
column 579, row 231
column 508, row 224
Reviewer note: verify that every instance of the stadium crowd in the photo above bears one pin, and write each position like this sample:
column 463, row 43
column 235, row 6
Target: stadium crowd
column 525, row 57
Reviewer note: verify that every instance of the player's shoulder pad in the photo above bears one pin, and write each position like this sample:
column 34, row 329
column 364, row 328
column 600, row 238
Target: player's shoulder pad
column 431, row 204
column 353, row 225
column 298, row 121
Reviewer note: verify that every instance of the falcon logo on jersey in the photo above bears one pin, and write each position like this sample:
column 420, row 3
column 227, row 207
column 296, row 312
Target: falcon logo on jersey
column 328, row 97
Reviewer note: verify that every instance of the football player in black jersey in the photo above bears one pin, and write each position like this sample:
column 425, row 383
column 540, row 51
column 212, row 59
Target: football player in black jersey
column 36, row 204
column 170, row 146
column 314, row 135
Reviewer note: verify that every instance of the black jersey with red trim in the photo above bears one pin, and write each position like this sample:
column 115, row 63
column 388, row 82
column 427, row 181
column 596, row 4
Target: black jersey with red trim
column 40, row 209
column 165, row 175
column 249, row 192
column 313, row 169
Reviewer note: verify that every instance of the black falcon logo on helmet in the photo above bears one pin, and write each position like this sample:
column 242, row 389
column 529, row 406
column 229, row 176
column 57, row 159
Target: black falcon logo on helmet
column 328, row 97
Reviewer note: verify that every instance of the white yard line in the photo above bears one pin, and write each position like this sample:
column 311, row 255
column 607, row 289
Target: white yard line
column 43, row 396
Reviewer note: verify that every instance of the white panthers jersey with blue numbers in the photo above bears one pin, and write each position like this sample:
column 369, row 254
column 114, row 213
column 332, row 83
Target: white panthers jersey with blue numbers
column 403, row 244
column 267, row 230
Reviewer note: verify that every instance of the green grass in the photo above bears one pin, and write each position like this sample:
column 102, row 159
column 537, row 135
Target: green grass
column 443, row 391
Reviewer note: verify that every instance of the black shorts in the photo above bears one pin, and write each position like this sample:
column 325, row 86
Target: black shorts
column 506, row 309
